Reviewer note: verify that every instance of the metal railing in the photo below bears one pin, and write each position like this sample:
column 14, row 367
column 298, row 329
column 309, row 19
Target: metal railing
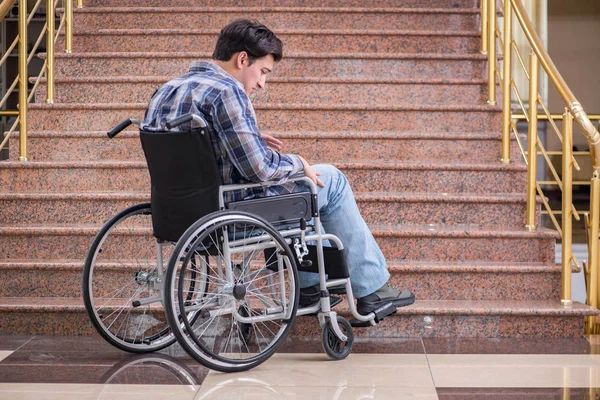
column 25, row 57
column 505, row 40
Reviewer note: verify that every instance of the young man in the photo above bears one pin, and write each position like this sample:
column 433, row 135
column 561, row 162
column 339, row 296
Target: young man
column 219, row 91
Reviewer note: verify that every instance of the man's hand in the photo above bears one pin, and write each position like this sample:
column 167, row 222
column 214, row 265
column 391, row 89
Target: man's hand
column 312, row 173
column 272, row 142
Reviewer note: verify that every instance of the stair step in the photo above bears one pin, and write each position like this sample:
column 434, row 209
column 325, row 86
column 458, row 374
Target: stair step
column 454, row 4
column 297, row 40
column 278, row 18
column 505, row 209
column 404, row 242
column 282, row 90
column 467, row 318
column 363, row 176
column 340, row 65
column 433, row 281
column 428, row 318
column 428, row 118
column 469, row 147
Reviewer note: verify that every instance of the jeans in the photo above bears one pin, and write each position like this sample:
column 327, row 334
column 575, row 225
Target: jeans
column 340, row 216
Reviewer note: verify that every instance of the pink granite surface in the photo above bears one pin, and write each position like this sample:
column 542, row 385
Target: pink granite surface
column 287, row 3
column 423, row 118
column 467, row 147
column 279, row 90
column 279, row 18
column 342, row 65
column 376, row 41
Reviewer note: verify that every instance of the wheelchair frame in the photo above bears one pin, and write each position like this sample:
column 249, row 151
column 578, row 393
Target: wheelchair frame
column 337, row 344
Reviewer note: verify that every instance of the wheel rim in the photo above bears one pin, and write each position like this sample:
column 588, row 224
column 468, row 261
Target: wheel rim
column 224, row 340
column 123, row 269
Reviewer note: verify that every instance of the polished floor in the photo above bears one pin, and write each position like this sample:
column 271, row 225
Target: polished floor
column 53, row 367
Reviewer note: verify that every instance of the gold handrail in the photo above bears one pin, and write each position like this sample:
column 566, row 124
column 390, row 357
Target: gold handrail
column 5, row 7
column 22, row 79
column 573, row 111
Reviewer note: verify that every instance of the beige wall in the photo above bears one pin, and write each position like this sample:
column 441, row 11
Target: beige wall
column 574, row 45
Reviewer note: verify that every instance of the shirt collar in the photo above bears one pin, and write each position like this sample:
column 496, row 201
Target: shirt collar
column 205, row 66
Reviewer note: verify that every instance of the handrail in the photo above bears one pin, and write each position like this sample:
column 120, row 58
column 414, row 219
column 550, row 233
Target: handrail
column 563, row 177
column 5, row 7
column 591, row 133
column 22, row 79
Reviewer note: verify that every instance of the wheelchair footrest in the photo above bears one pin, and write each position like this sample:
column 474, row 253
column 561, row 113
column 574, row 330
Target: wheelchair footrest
column 380, row 313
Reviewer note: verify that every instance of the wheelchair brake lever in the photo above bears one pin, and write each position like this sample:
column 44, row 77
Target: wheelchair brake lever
column 300, row 246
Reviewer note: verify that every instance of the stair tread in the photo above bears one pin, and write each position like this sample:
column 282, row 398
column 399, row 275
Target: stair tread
column 278, row 9
column 319, row 32
column 358, row 164
column 420, row 307
column 205, row 55
column 380, row 196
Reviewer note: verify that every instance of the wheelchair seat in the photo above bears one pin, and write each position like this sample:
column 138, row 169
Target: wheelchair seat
column 185, row 185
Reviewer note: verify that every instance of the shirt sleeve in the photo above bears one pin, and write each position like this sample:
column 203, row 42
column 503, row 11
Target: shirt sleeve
column 234, row 121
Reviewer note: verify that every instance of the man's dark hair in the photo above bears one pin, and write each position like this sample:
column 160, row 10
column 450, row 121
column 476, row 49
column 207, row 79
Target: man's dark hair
column 250, row 36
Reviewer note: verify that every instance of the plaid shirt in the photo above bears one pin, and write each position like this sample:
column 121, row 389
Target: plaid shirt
column 241, row 153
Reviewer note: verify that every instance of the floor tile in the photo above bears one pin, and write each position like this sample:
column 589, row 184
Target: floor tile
column 361, row 345
column 11, row 342
column 317, row 370
column 225, row 391
column 537, row 371
column 506, row 346
column 70, row 343
column 100, row 392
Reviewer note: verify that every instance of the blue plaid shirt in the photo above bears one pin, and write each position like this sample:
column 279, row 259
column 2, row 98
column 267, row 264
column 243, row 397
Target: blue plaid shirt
column 241, row 153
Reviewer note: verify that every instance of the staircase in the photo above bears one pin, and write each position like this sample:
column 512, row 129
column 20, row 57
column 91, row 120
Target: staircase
column 394, row 95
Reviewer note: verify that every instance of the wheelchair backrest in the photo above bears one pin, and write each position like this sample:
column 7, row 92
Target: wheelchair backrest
column 184, row 180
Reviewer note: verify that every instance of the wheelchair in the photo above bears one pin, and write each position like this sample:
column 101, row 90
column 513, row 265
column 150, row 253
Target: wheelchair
column 219, row 277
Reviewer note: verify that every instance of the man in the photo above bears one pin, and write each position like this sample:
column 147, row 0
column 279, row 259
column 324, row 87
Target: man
column 219, row 91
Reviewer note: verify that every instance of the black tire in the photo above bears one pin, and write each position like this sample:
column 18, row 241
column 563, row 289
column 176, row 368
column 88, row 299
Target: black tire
column 218, row 339
column 333, row 346
column 117, row 271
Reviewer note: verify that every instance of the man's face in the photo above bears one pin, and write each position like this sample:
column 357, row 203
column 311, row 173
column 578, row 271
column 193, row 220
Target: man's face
column 253, row 76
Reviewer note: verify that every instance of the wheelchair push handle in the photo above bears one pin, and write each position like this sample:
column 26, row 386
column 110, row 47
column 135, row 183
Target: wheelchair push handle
column 183, row 119
column 122, row 125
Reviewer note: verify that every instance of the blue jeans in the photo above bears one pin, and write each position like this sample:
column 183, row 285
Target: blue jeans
column 340, row 216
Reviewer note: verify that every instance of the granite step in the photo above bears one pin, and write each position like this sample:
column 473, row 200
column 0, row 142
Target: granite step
column 297, row 117
column 338, row 65
column 432, row 281
column 364, row 176
column 296, row 40
column 427, row 4
column 279, row 18
column 471, row 318
column 309, row 90
column 458, row 243
column 427, row 318
column 470, row 147
column 505, row 209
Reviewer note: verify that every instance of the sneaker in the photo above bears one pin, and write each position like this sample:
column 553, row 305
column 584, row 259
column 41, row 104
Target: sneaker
column 312, row 295
column 385, row 294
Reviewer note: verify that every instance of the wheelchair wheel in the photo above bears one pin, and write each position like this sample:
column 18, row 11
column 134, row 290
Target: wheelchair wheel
column 333, row 346
column 121, row 270
column 236, row 316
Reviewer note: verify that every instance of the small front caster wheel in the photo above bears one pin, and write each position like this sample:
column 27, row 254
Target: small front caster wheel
column 333, row 346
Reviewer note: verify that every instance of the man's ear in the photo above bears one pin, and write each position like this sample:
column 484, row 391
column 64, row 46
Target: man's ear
column 241, row 59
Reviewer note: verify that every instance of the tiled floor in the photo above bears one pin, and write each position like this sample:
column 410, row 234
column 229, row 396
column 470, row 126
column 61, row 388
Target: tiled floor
column 44, row 367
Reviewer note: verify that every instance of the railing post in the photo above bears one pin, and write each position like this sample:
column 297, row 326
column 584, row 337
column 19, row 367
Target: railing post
column 492, row 52
column 23, row 86
column 79, row 3
column 567, row 206
column 484, row 27
column 592, row 289
column 506, row 81
column 50, row 51
column 68, row 26
column 532, row 142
